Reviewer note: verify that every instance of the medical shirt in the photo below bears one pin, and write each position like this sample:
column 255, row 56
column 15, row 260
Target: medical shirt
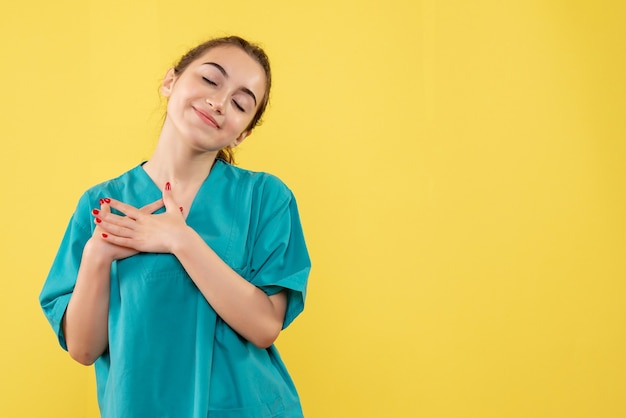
column 169, row 354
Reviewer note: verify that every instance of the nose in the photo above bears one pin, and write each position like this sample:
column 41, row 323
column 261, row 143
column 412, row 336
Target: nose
column 216, row 104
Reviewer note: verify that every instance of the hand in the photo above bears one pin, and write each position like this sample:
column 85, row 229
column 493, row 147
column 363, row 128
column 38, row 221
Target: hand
column 142, row 230
column 105, row 247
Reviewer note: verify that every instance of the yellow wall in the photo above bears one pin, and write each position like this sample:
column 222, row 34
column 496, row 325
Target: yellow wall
column 460, row 172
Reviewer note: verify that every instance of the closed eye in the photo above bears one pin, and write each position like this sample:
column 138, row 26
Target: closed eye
column 211, row 82
column 238, row 106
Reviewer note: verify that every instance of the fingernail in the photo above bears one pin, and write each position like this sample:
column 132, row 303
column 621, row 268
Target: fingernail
column 167, row 186
column 104, row 235
column 181, row 208
column 98, row 220
column 101, row 201
column 106, row 199
column 95, row 211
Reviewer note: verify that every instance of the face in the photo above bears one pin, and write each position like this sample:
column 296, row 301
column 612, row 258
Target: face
column 214, row 99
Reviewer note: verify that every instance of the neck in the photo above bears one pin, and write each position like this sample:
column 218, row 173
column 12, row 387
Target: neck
column 176, row 163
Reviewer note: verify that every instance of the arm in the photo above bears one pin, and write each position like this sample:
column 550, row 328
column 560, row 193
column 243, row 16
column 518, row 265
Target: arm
column 246, row 308
column 85, row 323
column 243, row 306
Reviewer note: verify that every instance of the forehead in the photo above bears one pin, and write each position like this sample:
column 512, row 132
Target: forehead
column 240, row 67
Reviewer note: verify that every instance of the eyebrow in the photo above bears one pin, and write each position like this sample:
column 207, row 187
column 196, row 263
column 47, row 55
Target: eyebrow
column 225, row 74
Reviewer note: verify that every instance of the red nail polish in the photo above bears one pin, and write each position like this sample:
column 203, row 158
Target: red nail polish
column 101, row 201
column 104, row 235
column 106, row 199
column 98, row 220
column 95, row 211
column 168, row 186
column 181, row 208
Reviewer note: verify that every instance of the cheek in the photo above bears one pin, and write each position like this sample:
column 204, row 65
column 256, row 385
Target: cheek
column 178, row 107
column 239, row 123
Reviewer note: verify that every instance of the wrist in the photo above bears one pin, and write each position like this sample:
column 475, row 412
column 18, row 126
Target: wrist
column 182, row 239
column 95, row 253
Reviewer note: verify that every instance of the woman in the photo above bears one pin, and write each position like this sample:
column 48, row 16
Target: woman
column 177, row 277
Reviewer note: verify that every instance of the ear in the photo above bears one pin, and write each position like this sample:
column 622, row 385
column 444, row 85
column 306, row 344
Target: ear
column 168, row 83
column 240, row 138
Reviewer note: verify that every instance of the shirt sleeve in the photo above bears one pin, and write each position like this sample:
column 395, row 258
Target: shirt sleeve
column 61, row 279
column 280, row 260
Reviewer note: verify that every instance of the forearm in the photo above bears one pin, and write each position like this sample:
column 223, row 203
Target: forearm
column 85, row 324
column 243, row 306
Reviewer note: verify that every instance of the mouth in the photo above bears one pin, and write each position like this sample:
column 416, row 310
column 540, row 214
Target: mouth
column 206, row 118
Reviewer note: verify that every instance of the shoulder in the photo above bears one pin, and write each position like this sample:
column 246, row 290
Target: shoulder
column 260, row 184
column 112, row 186
column 109, row 188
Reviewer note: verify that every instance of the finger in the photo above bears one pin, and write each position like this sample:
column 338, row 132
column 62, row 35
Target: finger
column 152, row 207
column 110, row 222
column 104, row 206
column 102, row 211
column 168, row 199
column 105, row 229
column 113, row 224
column 117, row 240
column 128, row 210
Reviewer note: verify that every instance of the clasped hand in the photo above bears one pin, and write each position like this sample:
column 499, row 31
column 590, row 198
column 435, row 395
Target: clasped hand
column 137, row 230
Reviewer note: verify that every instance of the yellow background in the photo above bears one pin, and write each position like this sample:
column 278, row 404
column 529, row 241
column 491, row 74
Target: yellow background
column 459, row 166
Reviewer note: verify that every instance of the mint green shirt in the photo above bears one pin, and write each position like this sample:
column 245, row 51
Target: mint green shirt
column 170, row 355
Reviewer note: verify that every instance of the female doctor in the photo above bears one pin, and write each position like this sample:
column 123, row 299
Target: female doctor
column 176, row 277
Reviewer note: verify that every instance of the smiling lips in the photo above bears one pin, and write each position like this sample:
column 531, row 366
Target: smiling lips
column 206, row 118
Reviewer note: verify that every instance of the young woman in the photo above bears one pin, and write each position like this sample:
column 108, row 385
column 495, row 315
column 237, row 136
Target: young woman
column 177, row 277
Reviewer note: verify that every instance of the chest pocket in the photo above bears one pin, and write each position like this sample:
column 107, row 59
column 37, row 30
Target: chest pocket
column 146, row 267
